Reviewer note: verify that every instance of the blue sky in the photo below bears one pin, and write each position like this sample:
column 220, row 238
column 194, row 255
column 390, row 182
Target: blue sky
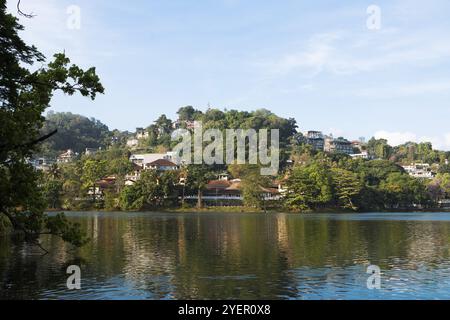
column 313, row 60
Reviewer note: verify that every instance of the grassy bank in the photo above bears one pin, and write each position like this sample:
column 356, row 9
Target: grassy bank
column 243, row 209
column 236, row 209
column 230, row 209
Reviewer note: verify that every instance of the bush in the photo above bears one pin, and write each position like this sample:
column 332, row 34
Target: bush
column 4, row 224
column 111, row 201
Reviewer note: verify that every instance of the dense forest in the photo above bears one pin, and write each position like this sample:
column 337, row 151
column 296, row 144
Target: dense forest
column 28, row 81
column 78, row 132
column 313, row 180
column 75, row 132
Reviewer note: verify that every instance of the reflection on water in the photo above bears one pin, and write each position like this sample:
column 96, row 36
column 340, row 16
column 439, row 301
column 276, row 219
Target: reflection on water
column 237, row 256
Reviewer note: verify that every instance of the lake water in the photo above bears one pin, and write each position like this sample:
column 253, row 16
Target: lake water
column 237, row 256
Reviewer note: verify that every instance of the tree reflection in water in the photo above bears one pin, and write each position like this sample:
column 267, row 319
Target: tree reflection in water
column 239, row 256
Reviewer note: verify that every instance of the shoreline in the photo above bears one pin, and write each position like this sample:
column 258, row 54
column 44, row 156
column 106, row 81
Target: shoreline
column 254, row 211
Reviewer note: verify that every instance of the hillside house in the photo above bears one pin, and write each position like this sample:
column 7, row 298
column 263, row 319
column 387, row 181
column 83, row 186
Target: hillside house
column 67, row 157
column 161, row 165
column 420, row 170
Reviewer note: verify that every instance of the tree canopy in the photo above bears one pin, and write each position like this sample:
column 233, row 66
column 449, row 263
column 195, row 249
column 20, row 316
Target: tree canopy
column 24, row 96
column 75, row 132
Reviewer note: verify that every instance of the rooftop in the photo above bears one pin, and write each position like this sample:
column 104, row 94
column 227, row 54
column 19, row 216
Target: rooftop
column 162, row 163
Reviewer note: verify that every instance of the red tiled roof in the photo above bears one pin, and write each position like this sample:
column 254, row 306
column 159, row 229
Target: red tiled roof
column 218, row 184
column 106, row 182
column 162, row 163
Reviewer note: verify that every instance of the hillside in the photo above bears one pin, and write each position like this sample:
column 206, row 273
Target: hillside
column 75, row 132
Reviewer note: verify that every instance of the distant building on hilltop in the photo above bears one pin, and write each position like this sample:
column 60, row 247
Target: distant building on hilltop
column 141, row 133
column 67, row 156
column 132, row 143
column 339, row 145
column 316, row 140
column 360, row 145
column 321, row 142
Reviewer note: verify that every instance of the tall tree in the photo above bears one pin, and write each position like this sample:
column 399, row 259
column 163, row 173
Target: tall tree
column 187, row 113
column 403, row 191
column 154, row 189
column 163, row 124
column 346, row 187
column 24, row 96
column 439, row 187
column 379, row 148
column 52, row 186
column 197, row 178
column 309, row 187
column 93, row 170
column 252, row 183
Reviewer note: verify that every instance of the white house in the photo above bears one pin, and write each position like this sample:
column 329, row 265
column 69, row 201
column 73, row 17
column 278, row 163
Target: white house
column 419, row 170
column 144, row 159
column 141, row 133
column 66, row 157
column 362, row 155
column 132, row 143
column 150, row 161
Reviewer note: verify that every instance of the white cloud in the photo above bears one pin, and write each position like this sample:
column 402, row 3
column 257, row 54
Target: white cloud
column 315, row 57
column 407, row 90
column 447, row 139
column 49, row 31
column 396, row 138
column 355, row 52
column 337, row 132
column 48, row 28
column 298, row 89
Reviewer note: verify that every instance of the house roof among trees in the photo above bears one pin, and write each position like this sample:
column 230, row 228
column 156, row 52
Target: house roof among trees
column 162, row 163
column 218, row 184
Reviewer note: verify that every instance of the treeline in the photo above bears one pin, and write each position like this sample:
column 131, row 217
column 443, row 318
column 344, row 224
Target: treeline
column 322, row 181
column 318, row 182
column 312, row 180
column 75, row 185
column 159, row 133
column 407, row 153
column 75, row 132
column 72, row 186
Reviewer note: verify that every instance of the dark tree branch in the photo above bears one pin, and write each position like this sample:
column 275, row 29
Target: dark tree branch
column 66, row 86
column 18, row 226
column 29, row 16
column 37, row 243
column 31, row 143
column 43, row 138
